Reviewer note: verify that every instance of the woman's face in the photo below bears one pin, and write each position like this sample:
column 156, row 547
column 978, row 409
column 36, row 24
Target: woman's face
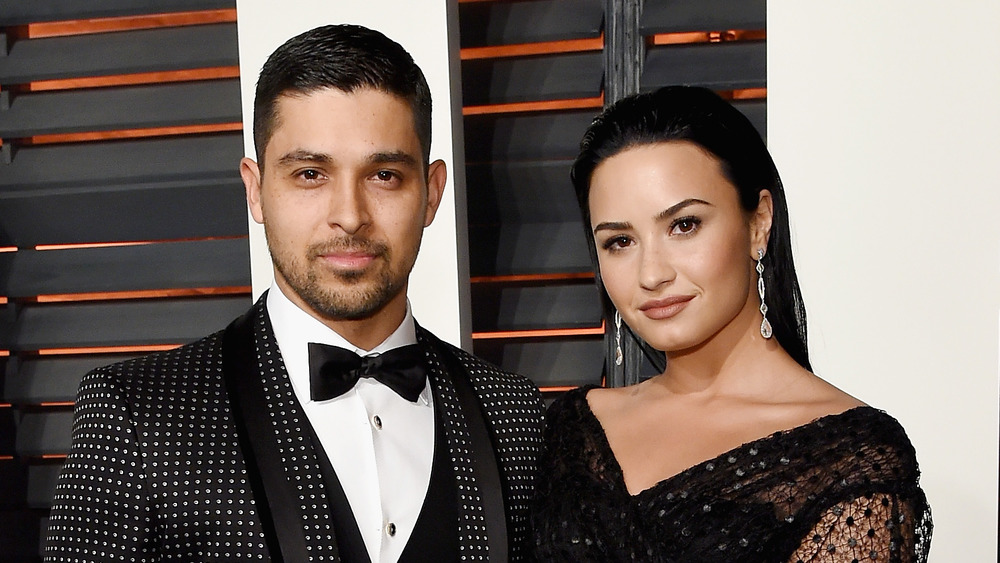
column 675, row 248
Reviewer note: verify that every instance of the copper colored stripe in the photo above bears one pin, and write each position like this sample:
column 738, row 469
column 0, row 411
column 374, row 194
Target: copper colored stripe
column 8, row 248
column 580, row 103
column 4, row 353
column 79, row 245
column 53, row 456
column 557, row 389
column 746, row 94
column 3, row 301
column 679, row 38
column 540, row 333
column 50, row 404
column 143, row 294
column 528, row 49
column 107, row 349
column 6, row 457
column 520, row 278
column 161, row 77
column 688, row 37
column 125, row 23
column 132, row 133
column 46, row 247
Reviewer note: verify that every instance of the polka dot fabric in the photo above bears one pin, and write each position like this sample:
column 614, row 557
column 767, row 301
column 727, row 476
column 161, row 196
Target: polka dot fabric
column 295, row 446
column 155, row 472
column 513, row 408
column 843, row 488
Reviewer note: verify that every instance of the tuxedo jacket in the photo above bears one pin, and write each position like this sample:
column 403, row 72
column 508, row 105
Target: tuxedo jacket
column 156, row 471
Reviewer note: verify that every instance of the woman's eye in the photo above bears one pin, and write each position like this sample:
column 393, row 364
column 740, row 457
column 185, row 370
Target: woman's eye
column 616, row 243
column 685, row 225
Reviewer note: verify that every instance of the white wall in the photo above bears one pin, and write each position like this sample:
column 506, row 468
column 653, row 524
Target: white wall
column 883, row 119
column 439, row 282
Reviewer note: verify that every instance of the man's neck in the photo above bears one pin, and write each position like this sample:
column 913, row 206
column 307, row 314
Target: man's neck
column 365, row 333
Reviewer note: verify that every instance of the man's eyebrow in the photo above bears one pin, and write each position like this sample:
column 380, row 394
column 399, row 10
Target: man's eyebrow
column 673, row 209
column 300, row 156
column 393, row 157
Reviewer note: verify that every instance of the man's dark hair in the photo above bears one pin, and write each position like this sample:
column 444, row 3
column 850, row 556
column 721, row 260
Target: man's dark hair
column 345, row 57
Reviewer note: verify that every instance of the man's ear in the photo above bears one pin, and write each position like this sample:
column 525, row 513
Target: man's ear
column 437, row 177
column 760, row 223
column 250, row 173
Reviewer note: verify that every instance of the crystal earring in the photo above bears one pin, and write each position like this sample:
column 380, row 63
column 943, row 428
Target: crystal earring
column 618, row 339
column 765, row 326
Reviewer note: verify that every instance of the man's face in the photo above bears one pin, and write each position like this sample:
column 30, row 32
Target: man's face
column 344, row 199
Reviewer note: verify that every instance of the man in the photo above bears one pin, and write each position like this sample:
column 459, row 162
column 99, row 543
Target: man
column 324, row 424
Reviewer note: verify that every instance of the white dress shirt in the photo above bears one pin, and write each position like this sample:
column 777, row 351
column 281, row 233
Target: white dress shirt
column 380, row 444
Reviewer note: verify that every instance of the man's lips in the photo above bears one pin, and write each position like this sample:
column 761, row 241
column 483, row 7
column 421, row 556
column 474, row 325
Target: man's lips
column 348, row 260
column 658, row 309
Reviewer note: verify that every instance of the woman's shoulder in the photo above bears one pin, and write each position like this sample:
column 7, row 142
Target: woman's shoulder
column 861, row 442
column 861, row 425
column 570, row 405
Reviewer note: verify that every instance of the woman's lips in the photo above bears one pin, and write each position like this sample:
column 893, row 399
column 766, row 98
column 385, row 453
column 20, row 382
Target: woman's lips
column 658, row 309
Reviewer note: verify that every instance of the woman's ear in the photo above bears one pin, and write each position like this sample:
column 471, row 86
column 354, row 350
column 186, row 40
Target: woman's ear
column 760, row 223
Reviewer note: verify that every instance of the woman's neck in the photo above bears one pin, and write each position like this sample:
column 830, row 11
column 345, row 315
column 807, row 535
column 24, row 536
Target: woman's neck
column 731, row 361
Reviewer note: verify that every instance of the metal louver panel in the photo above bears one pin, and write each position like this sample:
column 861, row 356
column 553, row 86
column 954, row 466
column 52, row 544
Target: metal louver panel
column 123, row 225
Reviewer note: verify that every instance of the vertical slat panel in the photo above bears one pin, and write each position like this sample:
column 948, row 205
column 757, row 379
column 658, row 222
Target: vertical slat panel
column 121, row 212
column 533, row 77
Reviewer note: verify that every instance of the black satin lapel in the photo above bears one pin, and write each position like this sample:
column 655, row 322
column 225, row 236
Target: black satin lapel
column 275, row 498
column 483, row 454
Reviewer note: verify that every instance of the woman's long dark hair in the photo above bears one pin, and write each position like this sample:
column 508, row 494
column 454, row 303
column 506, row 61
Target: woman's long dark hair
column 698, row 115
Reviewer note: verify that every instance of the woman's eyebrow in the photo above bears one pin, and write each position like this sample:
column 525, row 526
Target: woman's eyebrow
column 661, row 216
column 673, row 209
column 612, row 226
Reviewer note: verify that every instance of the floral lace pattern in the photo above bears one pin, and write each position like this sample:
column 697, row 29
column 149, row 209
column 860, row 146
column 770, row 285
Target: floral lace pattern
column 843, row 488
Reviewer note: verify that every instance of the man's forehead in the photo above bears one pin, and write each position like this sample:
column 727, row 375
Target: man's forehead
column 359, row 94
column 326, row 124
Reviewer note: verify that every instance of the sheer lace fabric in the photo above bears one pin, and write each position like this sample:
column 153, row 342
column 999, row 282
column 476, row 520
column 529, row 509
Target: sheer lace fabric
column 842, row 488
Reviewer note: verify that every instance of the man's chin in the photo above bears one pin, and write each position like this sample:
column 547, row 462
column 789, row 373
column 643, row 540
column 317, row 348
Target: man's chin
column 346, row 276
column 353, row 300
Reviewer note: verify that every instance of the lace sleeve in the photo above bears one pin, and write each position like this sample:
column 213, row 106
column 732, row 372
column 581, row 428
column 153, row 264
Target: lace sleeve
column 570, row 494
column 879, row 527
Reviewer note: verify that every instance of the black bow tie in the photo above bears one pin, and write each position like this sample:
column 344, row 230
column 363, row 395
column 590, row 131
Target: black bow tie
column 333, row 371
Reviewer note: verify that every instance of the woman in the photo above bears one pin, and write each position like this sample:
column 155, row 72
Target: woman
column 736, row 452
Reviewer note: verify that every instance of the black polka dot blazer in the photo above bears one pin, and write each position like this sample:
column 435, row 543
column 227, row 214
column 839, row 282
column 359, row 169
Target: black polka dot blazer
column 156, row 473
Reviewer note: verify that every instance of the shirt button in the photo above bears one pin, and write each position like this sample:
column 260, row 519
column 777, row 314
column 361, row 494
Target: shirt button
column 377, row 421
column 390, row 529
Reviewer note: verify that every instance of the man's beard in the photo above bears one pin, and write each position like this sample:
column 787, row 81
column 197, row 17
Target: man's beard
column 353, row 299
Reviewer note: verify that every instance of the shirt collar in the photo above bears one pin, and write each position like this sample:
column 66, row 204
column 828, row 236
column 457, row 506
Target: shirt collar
column 294, row 329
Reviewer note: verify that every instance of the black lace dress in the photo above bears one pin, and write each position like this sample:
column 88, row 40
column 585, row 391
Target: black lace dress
column 842, row 488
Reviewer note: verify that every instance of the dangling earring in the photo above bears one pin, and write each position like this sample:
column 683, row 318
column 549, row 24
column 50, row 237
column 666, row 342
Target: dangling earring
column 619, row 357
column 765, row 326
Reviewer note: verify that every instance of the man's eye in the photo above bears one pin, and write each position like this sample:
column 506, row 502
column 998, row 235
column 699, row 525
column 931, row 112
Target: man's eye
column 310, row 175
column 385, row 175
